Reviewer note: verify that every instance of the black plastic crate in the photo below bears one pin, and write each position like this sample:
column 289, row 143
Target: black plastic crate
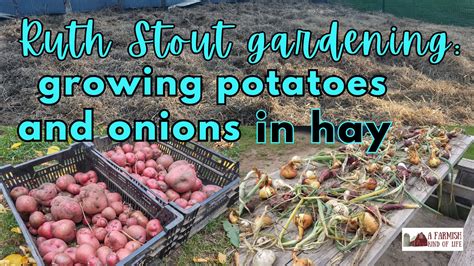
column 80, row 158
column 211, row 168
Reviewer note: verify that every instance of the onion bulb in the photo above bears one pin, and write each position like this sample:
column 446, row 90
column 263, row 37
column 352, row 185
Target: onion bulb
column 264, row 257
column 338, row 207
column 352, row 225
column 310, row 175
column 302, row 221
column 372, row 168
column 434, row 161
column 370, row 183
column 262, row 222
column 233, row 217
column 413, row 156
column 266, row 192
column 288, row 170
column 369, row 224
column 312, row 182
column 301, row 262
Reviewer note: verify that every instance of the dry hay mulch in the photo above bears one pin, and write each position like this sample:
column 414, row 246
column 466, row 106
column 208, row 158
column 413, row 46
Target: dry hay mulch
column 418, row 93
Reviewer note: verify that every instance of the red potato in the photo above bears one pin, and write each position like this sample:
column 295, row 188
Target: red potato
column 151, row 163
column 71, row 252
column 181, row 202
column 115, row 240
column 140, row 145
column 120, row 159
column 139, row 167
column 114, row 225
column 64, row 181
column 63, row 207
column 127, row 148
column 33, row 231
column 46, row 230
column 161, row 194
column 128, row 169
column 81, row 178
column 148, row 153
column 37, row 219
column 94, row 261
column 86, row 236
column 192, row 202
column 123, row 253
column 74, row 189
column 62, row 259
column 130, row 158
column 198, row 196
column 102, row 185
column 65, row 194
column 197, row 185
column 172, row 195
column 93, row 199
column 112, row 259
column 108, row 154
column 64, row 230
column 54, row 244
column 96, row 218
column 40, row 240
column 150, row 172
column 123, row 218
column 136, row 232
column 133, row 245
column 117, row 206
column 113, row 197
column 181, row 178
column 131, row 221
column 119, row 149
column 109, row 213
column 92, row 176
column 102, row 253
column 141, row 219
column 152, row 183
column 141, row 156
column 210, row 189
column 177, row 163
column 84, row 252
column 153, row 228
column 100, row 233
column 101, row 222
column 165, row 160
column 18, row 191
column 45, row 193
column 26, row 204
column 186, row 195
column 48, row 258
column 162, row 186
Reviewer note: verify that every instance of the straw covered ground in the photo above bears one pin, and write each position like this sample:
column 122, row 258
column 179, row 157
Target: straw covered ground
column 418, row 93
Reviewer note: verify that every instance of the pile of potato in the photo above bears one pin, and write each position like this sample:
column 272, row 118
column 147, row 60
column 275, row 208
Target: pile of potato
column 171, row 180
column 78, row 221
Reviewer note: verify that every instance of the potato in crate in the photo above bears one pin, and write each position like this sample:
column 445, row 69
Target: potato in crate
column 198, row 182
column 74, row 207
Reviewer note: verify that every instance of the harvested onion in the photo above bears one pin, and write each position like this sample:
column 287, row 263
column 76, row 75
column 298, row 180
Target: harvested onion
column 264, row 257
column 369, row 224
column 434, row 161
column 303, row 221
column 266, row 192
column 288, row 170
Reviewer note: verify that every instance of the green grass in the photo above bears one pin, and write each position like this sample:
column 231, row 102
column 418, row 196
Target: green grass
column 468, row 130
column 207, row 243
column 9, row 241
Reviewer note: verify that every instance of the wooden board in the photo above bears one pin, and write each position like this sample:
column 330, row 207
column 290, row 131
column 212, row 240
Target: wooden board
column 465, row 257
column 328, row 253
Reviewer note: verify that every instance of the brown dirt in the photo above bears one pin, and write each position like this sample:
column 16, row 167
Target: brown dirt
column 419, row 93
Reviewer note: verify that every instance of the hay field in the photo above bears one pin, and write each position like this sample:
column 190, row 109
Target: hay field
column 418, row 93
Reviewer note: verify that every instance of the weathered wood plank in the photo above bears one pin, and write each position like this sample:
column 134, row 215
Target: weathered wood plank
column 459, row 190
column 401, row 217
column 465, row 257
column 328, row 253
